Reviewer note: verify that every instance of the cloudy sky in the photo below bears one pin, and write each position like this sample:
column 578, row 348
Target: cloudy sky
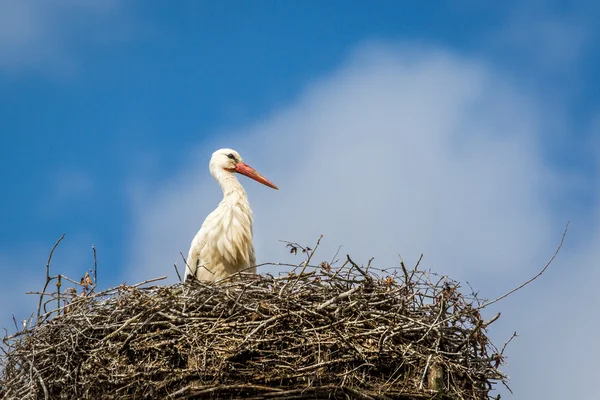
column 468, row 132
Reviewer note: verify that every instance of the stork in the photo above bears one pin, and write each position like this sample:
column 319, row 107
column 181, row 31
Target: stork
column 223, row 245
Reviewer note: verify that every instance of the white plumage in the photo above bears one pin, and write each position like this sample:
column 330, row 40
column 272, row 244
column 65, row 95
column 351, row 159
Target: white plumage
column 223, row 245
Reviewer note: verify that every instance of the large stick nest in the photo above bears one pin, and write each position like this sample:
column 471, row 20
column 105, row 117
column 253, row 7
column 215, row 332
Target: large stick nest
column 323, row 332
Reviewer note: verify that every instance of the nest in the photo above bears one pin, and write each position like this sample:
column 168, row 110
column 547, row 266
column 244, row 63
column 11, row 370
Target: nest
column 320, row 332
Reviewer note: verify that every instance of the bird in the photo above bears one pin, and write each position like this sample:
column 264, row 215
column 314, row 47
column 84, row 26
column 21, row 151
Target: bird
column 223, row 245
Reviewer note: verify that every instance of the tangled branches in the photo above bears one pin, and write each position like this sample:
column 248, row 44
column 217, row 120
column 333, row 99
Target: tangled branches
column 316, row 332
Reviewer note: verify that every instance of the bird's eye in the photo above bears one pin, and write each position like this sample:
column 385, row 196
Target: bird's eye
column 231, row 156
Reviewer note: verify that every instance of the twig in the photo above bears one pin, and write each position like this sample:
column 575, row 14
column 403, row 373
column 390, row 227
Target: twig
column 307, row 262
column 177, row 272
column 276, row 265
column 490, row 321
column 425, row 371
column 532, row 279
column 404, row 270
column 39, row 377
column 334, row 258
column 338, row 297
column 95, row 266
column 58, row 285
column 149, row 281
column 15, row 322
column 368, row 277
column 312, row 253
column 48, row 278
column 514, row 335
column 416, row 268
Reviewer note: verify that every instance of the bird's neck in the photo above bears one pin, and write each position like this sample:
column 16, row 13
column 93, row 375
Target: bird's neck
column 230, row 185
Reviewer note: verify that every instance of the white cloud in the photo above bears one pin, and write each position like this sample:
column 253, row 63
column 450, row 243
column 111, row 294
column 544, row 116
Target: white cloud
column 398, row 152
column 42, row 35
column 412, row 152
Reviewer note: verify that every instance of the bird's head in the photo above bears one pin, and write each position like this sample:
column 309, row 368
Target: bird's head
column 231, row 161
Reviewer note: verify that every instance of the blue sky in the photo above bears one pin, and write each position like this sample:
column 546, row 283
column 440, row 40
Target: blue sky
column 465, row 131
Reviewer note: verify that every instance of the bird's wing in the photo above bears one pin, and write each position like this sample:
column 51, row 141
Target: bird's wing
column 194, row 258
column 202, row 250
column 223, row 245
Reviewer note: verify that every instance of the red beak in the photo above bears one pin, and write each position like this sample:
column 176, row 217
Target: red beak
column 250, row 172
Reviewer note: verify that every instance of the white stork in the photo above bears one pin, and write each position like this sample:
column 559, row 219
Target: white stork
column 223, row 245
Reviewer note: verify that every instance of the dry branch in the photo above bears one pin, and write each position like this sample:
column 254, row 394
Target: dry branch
column 521, row 286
